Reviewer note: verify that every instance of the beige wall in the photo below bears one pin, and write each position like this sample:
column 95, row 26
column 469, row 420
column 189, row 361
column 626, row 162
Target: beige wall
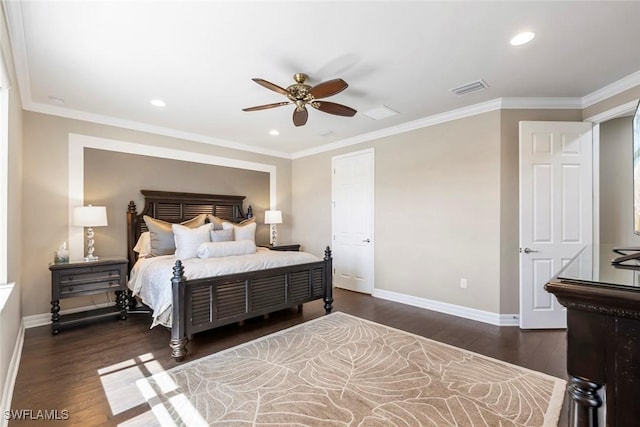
column 437, row 194
column 616, row 183
column 440, row 192
column 45, row 198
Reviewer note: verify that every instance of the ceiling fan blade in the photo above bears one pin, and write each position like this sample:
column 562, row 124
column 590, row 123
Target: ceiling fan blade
column 328, row 88
column 271, row 86
column 333, row 108
column 264, row 107
column 300, row 116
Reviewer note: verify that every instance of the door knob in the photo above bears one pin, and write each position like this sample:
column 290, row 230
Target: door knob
column 366, row 241
column 528, row 251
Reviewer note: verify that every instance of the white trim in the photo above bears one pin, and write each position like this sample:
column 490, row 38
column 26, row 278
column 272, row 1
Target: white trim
column 12, row 374
column 619, row 86
column 595, row 182
column 452, row 309
column 541, row 104
column 44, row 319
column 77, row 144
column 623, row 110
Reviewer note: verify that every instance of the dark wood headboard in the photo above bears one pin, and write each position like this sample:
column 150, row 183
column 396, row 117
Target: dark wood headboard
column 176, row 207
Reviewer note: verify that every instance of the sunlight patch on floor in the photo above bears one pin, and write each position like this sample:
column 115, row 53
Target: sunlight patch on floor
column 119, row 381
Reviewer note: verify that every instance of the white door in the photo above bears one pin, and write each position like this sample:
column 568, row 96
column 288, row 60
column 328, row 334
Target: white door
column 556, row 212
column 353, row 221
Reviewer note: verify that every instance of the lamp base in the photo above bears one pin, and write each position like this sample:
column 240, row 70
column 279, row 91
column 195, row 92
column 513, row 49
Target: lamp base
column 90, row 258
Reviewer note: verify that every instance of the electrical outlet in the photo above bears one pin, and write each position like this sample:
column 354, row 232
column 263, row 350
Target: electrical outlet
column 463, row 283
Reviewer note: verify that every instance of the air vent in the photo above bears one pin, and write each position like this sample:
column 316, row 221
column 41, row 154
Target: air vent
column 470, row 87
column 380, row 113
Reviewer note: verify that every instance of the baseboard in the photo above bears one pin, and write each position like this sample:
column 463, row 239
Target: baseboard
column 452, row 309
column 12, row 374
column 45, row 318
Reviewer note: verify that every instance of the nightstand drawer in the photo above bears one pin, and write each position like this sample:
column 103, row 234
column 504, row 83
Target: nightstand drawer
column 85, row 287
column 89, row 276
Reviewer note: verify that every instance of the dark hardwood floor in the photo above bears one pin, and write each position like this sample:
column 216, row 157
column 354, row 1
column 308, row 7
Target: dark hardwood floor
column 90, row 371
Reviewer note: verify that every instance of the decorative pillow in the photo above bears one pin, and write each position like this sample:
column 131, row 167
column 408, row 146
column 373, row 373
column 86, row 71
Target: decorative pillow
column 221, row 235
column 162, row 241
column 222, row 249
column 217, row 222
column 242, row 232
column 143, row 245
column 188, row 240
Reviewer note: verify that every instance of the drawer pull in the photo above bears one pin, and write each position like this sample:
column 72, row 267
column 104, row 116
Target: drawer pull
column 70, row 288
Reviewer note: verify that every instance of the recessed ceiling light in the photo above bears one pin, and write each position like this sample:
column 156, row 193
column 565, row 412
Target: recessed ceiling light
column 274, row 132
column 522, row 38
column 158, row 103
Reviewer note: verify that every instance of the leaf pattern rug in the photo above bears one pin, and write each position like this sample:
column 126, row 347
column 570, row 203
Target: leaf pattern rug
column 340, row 370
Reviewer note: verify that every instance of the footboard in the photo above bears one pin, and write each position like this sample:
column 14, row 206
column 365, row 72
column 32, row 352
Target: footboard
column 203, row 304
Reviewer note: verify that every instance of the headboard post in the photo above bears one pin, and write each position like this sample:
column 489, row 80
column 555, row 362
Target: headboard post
column 132, row 237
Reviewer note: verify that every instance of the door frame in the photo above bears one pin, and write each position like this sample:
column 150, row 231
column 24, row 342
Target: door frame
column 372, row 231
column 622, row 110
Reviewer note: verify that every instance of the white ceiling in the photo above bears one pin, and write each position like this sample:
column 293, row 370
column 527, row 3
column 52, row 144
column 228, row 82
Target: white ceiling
column 107, row 59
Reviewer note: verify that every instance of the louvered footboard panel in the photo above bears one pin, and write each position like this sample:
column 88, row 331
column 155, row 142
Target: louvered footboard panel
column 268, row 292
column 299, row 286
column 231, row 299
column 201, row 299
column 317, row 274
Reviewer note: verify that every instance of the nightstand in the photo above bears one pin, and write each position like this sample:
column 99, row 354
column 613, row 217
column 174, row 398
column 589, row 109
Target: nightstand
column 81, row 278
column 292, row 247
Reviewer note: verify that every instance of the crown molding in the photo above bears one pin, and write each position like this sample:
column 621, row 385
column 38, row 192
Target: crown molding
column 404, row 127
column 17, row 35
column 143, row 127
column 619, row 86
column 460, row 113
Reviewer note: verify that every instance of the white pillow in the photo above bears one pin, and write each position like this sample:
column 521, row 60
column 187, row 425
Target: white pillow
column 189, row 239
column 222, row 249
column 242, row 232
column 221, row 235
column 143, row 245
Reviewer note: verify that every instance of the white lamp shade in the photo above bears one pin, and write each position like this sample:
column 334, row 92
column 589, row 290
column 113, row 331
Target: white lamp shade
column 273, row 217
column 90, row 216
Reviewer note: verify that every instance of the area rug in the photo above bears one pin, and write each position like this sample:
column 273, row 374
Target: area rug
column 340, row 370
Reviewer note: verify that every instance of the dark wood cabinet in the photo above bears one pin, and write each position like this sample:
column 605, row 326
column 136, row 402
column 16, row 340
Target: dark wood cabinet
column 603, row 338
column 84, row 278
column 291, row 247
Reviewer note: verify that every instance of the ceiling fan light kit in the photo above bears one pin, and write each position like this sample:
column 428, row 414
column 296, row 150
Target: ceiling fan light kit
column 301, row 95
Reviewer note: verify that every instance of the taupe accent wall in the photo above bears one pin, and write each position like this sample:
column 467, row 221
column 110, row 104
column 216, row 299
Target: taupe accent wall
column 45, row 196
column 113, row 179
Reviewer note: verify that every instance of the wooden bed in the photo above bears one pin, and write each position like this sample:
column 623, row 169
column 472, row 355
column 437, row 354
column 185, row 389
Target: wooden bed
column 203, row 304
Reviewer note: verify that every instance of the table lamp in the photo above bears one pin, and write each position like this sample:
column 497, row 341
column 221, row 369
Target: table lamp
column 90, row 216
column 273, row 218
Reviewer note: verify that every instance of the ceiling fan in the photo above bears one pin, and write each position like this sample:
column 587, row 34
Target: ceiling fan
column 302, row 95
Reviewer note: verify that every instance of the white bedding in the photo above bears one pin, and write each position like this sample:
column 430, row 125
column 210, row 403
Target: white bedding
column 150, row 278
